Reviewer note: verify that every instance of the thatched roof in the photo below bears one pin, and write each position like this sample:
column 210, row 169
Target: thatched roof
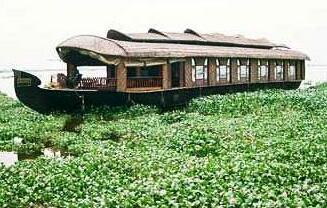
column 190, row 37
column 108, row 49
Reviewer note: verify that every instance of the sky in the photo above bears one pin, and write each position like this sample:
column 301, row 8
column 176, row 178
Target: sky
column 30, row 30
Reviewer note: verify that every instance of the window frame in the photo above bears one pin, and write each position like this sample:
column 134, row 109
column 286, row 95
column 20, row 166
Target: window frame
column 279, row 75
column 240, row 68
column 263, row 65
column 203, row 70
column 226, row 68
column 289, row 74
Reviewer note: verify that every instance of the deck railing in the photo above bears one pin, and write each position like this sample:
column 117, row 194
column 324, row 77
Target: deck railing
column 144, row 82
column 97, row 83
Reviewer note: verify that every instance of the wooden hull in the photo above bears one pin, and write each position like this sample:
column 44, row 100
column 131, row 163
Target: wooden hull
column 48, row 100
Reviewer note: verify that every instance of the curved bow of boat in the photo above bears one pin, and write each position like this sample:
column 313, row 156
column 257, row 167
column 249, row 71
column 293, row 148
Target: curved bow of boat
column 27, row 90
column 45, row 100
column 24, row 79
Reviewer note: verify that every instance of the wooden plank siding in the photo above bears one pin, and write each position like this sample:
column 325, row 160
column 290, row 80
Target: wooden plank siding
column 186, row 72
column 253, row 71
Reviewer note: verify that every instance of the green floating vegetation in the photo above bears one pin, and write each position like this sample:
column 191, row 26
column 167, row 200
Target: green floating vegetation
column 254, row 149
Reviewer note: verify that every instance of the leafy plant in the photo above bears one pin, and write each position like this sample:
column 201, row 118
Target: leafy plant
column 257, row 149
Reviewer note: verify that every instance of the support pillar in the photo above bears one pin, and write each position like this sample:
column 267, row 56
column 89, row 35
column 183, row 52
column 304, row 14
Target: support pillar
column 71, row 69
column 212, row 72
column 182, row 74
column 233, row 68
column 271, row 71
column 253, row 70
column 298, row 71
column 165, row 76
column 121, row 77
column 285, row 71
column 188, row 73
column 303, row 69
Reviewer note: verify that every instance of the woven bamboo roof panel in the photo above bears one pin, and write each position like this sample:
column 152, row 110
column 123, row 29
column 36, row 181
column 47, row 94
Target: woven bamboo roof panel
column 94, row 44
column 116, row 48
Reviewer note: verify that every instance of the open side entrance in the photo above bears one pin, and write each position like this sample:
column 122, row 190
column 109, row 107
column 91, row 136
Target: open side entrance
column 144, row 78
column 98, row 77
column 176, row 72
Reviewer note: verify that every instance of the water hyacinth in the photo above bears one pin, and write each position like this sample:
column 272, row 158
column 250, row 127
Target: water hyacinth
column 257, row 149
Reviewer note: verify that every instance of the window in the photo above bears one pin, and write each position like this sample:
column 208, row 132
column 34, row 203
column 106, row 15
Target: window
column 92, row 71
column 131, row 71
column 199, row 72
column 149, row 71
column 279, row 69
column 291, row 71
column 262, row 70
column 243, row 69
column 223, row 70
column 244, row 72
column 111, row 72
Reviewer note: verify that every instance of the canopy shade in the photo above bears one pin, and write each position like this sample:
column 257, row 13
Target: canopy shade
column 108, row 51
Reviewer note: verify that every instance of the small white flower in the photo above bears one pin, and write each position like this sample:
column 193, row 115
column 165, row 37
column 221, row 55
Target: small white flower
column 17, row 140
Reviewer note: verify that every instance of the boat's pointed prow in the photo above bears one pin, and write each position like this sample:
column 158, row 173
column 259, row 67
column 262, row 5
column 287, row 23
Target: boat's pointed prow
column 24, row 79
column 44, row 100
column 28, row 92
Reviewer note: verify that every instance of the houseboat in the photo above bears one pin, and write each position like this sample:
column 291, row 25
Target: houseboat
column 160, row 68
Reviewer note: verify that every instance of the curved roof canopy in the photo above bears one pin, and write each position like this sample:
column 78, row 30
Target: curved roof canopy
column 93, row 50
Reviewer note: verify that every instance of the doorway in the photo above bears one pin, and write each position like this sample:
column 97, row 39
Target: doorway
column 175, row 74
